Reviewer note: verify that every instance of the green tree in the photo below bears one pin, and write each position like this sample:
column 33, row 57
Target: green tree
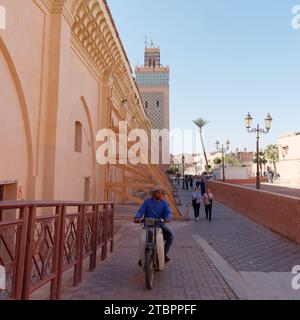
column 201, row 123
column 172, row 170
column 232, row 161
column 272, row 154
column 217, row 161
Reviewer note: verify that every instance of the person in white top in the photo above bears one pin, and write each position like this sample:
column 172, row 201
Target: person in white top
column 196, row 200
column 208, row 199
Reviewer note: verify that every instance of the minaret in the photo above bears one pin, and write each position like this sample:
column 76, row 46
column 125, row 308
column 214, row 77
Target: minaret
column 153, row 83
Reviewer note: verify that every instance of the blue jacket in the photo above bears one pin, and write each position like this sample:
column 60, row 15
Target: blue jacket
column 154, row 209
column 202, row 187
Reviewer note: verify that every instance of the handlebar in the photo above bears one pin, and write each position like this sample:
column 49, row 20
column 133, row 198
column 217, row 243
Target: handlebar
column 150, row 221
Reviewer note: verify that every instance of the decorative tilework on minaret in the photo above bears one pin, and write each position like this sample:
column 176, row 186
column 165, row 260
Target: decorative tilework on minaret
column 153, row 83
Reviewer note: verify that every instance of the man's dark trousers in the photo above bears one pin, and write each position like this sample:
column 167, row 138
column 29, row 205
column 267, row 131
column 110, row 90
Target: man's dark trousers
column 208, row 210
column 168, row 237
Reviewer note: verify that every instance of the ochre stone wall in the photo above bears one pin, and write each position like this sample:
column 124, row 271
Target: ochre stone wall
column 279, row 213
column 61, row 62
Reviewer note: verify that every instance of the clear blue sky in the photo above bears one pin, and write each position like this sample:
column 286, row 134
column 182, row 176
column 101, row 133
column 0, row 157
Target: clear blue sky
column 227, row 57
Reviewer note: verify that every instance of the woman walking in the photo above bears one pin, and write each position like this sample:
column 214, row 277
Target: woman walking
column 208, row 198
column 196, row 200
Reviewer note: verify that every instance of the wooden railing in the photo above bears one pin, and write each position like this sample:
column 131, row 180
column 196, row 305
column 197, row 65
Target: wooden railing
column 39, row 241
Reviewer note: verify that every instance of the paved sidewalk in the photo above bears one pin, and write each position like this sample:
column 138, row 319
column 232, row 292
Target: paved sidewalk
column 228, row 258
column 277, row 188
column 262, row 260
column 190, row 275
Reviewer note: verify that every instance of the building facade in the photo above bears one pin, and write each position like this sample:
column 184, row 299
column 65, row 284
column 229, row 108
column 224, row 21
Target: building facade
column 289, row 158
column 64, row 75
column 63, row 69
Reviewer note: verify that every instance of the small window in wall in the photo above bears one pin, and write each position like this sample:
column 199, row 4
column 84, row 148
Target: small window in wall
column 78, row 137
column 285, row 151
column 157, row 103
column 146, row 105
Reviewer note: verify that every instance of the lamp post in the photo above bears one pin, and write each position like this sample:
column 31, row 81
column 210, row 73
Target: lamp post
column 238, row 155
column 183, row 160
column 178, row 173
column 258, row 130
column 172, row 165
column 223, row 150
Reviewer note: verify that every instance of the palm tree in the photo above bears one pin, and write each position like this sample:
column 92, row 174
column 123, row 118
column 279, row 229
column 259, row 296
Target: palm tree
column 201, row 123
column 272, row 154
column 262, row 161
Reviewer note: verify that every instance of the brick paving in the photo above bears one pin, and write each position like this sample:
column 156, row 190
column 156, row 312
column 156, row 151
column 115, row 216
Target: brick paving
column 246, row 245
column 190, row 274
column 243, row 244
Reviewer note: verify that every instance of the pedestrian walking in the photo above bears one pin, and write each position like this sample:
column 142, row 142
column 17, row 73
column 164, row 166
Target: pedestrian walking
column 198, row 181
column 202, row 186
column 191, row 181
column 208, row 199
column 196, row 201
column 187, row 182
column 271, row 175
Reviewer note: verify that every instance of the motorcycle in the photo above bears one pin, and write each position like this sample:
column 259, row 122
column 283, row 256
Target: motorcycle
column 152, row 251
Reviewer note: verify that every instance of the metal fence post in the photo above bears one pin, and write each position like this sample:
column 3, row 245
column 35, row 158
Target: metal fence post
column 93, row 257
column 21, row 248
column 29, row 253
column 104, row 233
column 58, row 253
column 112, row 222
column 79, row 246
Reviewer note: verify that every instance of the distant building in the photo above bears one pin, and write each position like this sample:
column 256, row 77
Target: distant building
column 289, row 158
column 195, row 163
column 246, row 158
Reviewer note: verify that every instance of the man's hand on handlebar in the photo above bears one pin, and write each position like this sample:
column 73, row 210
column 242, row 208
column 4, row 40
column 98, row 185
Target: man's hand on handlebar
column 143, row 220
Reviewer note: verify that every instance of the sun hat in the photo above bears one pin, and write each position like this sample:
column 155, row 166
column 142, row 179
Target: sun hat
column 157, row 188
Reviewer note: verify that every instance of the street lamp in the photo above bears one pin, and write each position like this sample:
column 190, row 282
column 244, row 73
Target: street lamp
column 258, row 131
column 172, row 166
column 238, row 154
column 223, row 150
column 183, row 160
column 178, row 173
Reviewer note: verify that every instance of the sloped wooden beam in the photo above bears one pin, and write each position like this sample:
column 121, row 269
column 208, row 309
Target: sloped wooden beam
column 130, row 197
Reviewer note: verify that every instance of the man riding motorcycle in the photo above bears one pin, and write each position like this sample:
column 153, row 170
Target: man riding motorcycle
column 156, row 207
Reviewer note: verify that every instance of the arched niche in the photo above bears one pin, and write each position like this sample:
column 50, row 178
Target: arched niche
column 15, row 134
